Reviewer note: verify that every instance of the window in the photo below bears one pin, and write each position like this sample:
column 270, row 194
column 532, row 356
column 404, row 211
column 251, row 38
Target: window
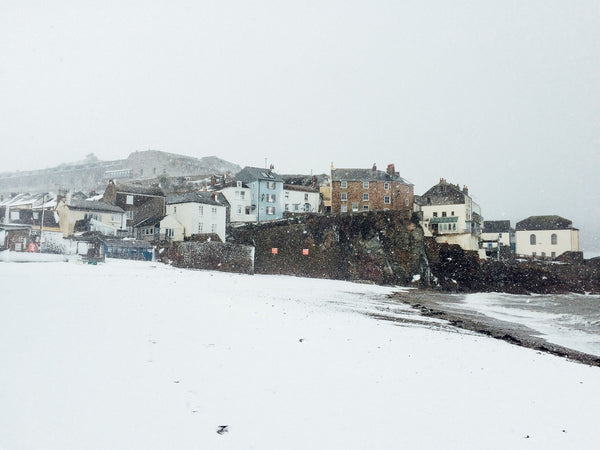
column 365, row 207
column 386, row 186
column 115, row 218
column 242, row 195
column 271, row 198
column 129, row 214
column 553, row 254
column 129, row 200
column 214, row 210
column 36, row 215
column 307, row 207
column 344, row 196
column 270, row 210
column 237, row 194
column 554, row 239
column 287, row 194
column 305, row 197
column 453, row 227
column 365, row 197
column 532, row 239
column 435, row 214
column 354, row 207
column 213, row 228
column 287, row 207
column 169, row 232
column 443, row 213
column 533, row 254
column 239, row 209
column 386, row 199
column 344, row 208
column 14, row 215
column 270, row 185
column 407, row 189
column 238, row 184
column 543, row 254
column 200, row 226
column 201, row 210
column 406, row 202
column 344, row 184
column 296, row 207
column 365, row 185
column 451, row 213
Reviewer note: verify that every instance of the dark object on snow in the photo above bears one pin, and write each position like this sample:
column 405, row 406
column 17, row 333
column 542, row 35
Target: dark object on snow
column 221, row 429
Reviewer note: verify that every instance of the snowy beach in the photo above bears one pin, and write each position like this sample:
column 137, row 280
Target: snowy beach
column 135, row 355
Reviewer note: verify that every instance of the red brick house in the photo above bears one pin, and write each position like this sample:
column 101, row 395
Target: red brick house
column 356, row 190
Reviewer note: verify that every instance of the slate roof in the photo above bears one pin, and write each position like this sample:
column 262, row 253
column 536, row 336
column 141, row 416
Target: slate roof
column 544, row 223
column 193, row 197
column 94, row 206
column 365, row 175
column 295, row 187
column 496, row 226
column 138, row 189
column 250, row 174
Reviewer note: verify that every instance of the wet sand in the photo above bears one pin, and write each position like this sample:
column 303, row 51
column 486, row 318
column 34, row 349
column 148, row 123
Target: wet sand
column 439, row 305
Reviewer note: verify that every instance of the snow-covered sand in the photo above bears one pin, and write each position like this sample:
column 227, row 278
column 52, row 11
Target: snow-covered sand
column 133, row 355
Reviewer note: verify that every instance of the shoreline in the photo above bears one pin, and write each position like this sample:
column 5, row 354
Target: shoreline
column 432, row 304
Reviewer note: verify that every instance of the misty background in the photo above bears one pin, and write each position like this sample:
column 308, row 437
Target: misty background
column 503, row 97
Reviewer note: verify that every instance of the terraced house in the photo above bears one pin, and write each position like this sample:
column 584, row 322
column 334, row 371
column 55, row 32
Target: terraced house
column 357, row 190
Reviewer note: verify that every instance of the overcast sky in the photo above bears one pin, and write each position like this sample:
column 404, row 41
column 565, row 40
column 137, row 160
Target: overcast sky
column 502, row 96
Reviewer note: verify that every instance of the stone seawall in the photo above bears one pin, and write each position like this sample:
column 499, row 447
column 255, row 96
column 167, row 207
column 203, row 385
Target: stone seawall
column 381, row 247
column 226, row 257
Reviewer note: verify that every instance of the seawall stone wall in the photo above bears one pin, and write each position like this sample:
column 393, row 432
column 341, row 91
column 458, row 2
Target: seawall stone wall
column 383, row 247
column 226, row 257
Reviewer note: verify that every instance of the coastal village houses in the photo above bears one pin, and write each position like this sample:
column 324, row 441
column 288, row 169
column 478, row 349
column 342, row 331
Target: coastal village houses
column 194, row 213
column 497, row 234
column 356, row 190
column 239, row 197
column 266, row 191
column 451, row 216
column 301, row 199
column 546, row 237
column 144, row 206
column 78, row 216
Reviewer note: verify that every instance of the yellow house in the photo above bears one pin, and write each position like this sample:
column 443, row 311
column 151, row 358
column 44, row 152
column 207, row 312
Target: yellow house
column 86, row 215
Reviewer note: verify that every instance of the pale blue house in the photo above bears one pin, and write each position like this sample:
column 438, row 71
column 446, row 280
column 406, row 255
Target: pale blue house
column 266, row 188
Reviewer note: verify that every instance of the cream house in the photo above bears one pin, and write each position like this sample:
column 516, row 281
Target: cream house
column 87, row 215
column 451, row 216
column 239, row 197
column 546, row 237
column 199, row 213
column 301, row 199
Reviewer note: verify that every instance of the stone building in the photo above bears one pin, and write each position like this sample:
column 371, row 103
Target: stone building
column 357, row 190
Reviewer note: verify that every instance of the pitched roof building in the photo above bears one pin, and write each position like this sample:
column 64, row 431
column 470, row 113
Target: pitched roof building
column 356, row 190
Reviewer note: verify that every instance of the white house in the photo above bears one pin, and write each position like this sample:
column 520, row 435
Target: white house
column 239, row 197
column 451, row 216
column 198, row 212
column 497, row 233
column 301, row 199
column 546, row 237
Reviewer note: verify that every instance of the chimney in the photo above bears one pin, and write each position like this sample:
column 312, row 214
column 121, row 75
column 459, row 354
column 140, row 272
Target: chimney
column 214, row 196
column 374, row 167
column 271, row 167
column 465, row 190
column 213, row 180
column 391, row 170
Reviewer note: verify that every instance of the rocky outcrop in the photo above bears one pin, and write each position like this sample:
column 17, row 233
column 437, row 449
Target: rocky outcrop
column 456, row 270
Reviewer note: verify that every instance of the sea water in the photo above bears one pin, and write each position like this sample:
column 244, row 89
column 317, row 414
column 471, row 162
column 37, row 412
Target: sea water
column 570, row 320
